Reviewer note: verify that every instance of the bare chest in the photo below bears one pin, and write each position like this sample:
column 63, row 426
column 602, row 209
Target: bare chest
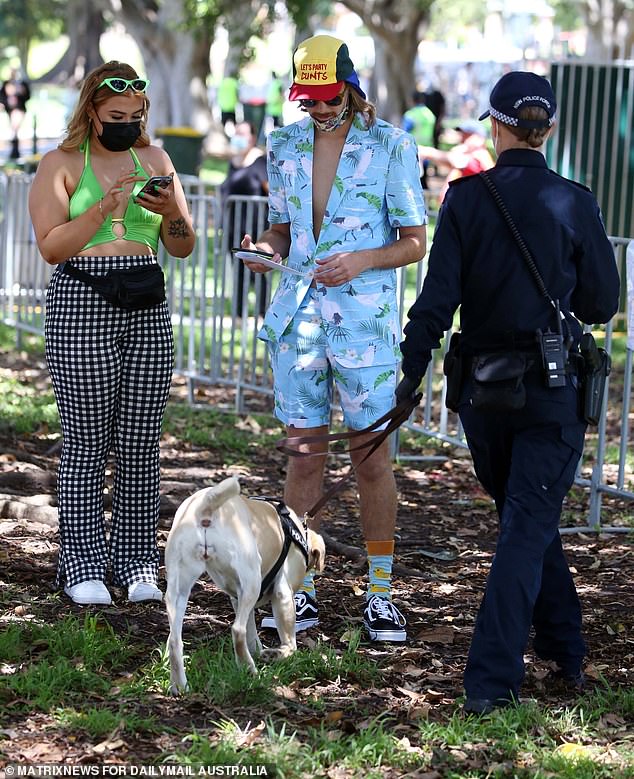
column 327, row 152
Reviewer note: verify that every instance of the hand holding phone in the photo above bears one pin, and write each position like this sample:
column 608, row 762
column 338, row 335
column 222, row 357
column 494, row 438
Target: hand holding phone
column 155, row 182
column 255, row 252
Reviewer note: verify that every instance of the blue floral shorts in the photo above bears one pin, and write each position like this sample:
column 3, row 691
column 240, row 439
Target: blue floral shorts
column 306, row 376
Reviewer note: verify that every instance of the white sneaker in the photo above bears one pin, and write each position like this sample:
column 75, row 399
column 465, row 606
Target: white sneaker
column 140, row 591
column 383, row 621
column 89, row 592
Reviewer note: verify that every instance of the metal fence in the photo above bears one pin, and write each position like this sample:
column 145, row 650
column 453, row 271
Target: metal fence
column 217, row 344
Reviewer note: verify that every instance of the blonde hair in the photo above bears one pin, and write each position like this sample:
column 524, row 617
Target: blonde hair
column 359, row 104
column 536, row 136
column 92, row 93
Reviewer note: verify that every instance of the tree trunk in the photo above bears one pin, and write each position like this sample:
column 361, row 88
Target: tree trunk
column 85, row 25
column 168, row 49
column 397, row 27
column 393, row 92
column 610, row 30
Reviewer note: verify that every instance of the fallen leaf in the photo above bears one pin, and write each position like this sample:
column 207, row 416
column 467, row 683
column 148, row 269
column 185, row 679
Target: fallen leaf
column 42, row 752
column 415, row 696
column 249, row 736
column 573, row 751
column 419, row 711
column 441, row 635
column 108, row 746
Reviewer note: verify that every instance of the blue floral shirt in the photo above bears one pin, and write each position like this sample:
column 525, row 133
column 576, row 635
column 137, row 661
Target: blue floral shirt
column 376, row 190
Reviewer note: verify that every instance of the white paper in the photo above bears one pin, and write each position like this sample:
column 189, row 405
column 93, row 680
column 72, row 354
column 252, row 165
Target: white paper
column 250, row 257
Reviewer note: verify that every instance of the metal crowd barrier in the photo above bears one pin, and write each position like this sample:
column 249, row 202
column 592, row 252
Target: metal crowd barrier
column 216, row 344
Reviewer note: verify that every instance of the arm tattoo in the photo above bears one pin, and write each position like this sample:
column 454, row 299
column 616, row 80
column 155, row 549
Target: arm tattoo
column 177, row 228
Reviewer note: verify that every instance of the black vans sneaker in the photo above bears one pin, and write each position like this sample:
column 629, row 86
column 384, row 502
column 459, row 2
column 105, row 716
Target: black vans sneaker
column 383, row 621
column 306, row 614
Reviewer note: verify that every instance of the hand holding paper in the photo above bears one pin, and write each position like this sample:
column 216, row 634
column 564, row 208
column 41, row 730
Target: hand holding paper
column 264, row 258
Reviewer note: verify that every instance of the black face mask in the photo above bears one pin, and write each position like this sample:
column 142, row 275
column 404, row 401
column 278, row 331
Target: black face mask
column 119, row 136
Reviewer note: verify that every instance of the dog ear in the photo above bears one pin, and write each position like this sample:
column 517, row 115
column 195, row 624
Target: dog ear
column 317, row 557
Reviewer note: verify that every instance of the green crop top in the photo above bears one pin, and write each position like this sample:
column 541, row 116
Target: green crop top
column 141, row 225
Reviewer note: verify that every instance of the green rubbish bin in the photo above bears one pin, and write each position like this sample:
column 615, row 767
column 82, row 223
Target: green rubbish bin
column 254, row 111
column 184, row 146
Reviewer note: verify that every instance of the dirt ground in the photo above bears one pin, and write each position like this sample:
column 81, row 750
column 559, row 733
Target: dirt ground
column 445, row 539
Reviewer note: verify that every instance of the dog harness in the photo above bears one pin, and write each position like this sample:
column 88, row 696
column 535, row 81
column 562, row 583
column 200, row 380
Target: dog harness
column 292, row 534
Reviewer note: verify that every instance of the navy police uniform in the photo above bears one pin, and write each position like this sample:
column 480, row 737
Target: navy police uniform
column 525, row 459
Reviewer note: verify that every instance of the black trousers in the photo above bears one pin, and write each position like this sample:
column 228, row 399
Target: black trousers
column 111, row 372
column 526, row 460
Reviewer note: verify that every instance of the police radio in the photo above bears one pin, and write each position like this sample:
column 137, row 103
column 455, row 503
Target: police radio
column 554, row 353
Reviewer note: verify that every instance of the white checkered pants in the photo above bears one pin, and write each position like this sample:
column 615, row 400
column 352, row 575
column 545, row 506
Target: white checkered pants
column 111, row 372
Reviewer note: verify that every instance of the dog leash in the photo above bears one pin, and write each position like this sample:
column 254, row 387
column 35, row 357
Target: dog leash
column 394, row 418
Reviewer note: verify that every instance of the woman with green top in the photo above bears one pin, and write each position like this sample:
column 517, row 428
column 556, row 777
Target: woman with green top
column 111, row 366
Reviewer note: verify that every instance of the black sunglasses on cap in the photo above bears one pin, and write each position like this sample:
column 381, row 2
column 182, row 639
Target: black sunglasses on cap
column 121, row 84
column 336, row 100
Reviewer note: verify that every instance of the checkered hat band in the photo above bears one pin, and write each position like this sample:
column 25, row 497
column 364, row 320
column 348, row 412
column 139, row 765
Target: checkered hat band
column 503, row 117
column 512, row 120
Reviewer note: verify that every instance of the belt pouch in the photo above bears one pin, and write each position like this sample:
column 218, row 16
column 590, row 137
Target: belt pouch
column 594, row 377
column 132, row 289
column 498, row 381
column 452, row 368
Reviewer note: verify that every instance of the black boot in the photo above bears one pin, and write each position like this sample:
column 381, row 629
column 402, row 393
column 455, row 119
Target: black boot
column 15, row 149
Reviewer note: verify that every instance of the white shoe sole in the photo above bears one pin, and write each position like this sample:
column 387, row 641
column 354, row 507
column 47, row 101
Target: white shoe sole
column 300, row 625
column 386, row 635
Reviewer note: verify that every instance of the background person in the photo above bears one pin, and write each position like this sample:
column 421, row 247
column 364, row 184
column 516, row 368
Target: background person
column 111, row 367
column 247, row 176
column 525, row 458
column 345, row 203
column 420, row 121
column 275, row 101
column 14, row 95
column 228, row 99
column 466, row 158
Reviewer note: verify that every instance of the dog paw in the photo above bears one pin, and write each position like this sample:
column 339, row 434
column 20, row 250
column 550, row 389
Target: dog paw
column 178, row 689
column 273, row 655
column 270, row 655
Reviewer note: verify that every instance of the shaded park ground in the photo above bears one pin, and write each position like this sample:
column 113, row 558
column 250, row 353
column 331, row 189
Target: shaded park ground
column 342, row 707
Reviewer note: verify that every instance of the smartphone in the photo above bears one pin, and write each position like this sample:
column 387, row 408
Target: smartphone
column 156, row 181
column 257, row 252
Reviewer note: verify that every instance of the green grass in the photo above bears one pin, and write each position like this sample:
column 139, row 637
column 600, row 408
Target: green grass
column 50, row 666
column 540, row 742
column 222, row 431
column 26, row 409
column 211, row 670
column 524, row 742
column 214, row 170
column 99, row 722
column 31, row 344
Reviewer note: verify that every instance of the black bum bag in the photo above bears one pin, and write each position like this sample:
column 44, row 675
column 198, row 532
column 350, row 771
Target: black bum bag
column 132, row 289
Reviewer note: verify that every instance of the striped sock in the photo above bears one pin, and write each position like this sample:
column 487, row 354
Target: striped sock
column 308, row 586
column 380, row 556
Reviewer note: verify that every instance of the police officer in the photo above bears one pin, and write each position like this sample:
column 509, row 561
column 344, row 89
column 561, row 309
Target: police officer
column 525, row 458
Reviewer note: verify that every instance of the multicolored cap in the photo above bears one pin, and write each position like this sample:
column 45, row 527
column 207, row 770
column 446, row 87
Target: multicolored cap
column 321, row 65
column 515, row 91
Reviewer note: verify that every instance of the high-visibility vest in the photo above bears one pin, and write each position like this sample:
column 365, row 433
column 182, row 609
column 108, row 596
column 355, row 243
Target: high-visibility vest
column 274, row 98
column 227, row 95
column 423, row 121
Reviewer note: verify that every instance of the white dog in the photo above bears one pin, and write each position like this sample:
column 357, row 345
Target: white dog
column 238, row 541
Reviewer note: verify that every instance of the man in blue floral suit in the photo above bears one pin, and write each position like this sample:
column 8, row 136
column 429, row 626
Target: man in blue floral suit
column 346, row 208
